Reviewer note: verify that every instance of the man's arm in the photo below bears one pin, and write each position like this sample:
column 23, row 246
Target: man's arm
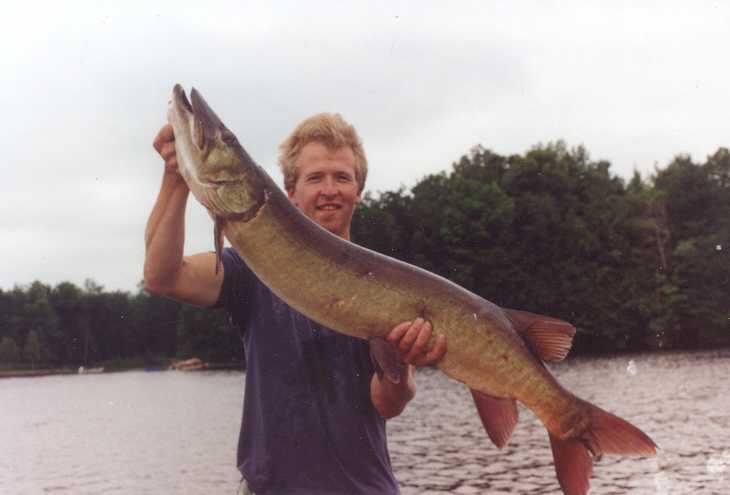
column 410, row 340
column 190, row 279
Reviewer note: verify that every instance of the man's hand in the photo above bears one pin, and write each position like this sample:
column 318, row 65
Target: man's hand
column 411, row 338
column 164, row 143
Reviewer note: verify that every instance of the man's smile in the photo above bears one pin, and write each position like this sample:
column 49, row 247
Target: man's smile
column 329, row 207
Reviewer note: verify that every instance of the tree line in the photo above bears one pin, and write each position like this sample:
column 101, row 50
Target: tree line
column 70, row 326
column 635, row 265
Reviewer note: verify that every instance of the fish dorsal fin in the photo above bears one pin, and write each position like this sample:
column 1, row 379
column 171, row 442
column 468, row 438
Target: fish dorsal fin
column 499, row 416
column 549, row 337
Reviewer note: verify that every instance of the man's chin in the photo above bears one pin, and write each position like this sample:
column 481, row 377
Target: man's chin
column 331, row 225
column 327, row 217
column 331, row 221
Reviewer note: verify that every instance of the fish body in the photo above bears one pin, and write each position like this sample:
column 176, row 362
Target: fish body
column 497, row 353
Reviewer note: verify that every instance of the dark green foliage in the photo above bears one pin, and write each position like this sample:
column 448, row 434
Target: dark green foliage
column 9, row 352
column 697, row 202
column 68, row 326
column 634, row 267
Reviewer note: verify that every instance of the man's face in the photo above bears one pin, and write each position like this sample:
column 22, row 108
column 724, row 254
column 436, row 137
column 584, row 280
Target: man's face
column 326, row 189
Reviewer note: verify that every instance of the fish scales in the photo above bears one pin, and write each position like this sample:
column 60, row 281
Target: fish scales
column 381, row 292
column 358, row 292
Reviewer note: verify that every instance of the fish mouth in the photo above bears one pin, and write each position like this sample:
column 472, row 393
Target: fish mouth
column 201, row 110
column 196, row 115
column 196, row 107
column 180, row 99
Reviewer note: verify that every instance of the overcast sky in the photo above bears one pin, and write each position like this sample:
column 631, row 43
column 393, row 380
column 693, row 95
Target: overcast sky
column 85, row 85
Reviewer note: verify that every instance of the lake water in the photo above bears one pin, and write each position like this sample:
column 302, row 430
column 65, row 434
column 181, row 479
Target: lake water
column 175, row 433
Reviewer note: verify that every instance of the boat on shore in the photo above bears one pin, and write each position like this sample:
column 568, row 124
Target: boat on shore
column 192, row 364
column 85, row 371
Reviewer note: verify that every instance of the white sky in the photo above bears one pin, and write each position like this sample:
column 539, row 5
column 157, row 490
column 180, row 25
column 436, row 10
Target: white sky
column 84, row 88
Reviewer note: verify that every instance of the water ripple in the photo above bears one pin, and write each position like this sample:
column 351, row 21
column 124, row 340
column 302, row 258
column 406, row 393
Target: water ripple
column 175, row 433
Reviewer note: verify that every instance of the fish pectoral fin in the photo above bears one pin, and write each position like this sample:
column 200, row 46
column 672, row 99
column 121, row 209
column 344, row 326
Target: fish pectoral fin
column 386, row 360
column 498, row 414
column 549, row 337
column 218, row 240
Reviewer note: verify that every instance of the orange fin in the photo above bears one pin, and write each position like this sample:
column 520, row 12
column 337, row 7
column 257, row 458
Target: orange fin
column 609, row 434
column 499, row 416
column 550, row 338
column 386, row 360
column 606, row 434
column 573, row 465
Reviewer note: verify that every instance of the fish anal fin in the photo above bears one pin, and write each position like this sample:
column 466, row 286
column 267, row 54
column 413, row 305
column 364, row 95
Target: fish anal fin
column 549, row 337
column 386, row 359
column 573, row 465
column 218, row 240
column 498, row 414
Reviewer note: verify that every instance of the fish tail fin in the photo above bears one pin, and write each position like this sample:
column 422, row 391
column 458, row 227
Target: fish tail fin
column 605, row 434
column 609, row 434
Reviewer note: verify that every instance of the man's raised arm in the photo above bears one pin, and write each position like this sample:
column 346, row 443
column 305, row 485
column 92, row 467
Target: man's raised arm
column 189, row 279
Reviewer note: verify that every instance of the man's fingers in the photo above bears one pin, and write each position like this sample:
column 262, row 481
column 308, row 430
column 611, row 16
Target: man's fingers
column 166, row 135
column 411, row 340
column 165, row 145
column 410, row 337
column 397, row 333
column 435, row 354
column 419, row 346
column 167, row 150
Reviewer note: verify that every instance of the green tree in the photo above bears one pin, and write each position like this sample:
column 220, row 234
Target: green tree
column 38, row 314
column 207, row 334
column 9, row 353
column 696, row 198
column 67, row 303
column 32, row 349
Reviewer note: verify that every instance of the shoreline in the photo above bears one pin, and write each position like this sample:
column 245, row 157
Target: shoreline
column 28, row 373
column 34, row 373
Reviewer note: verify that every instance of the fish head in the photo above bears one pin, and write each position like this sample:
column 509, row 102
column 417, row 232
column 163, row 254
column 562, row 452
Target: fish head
column 218, row 171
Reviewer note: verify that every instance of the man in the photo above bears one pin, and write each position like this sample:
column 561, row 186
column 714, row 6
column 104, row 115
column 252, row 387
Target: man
column 315, row 410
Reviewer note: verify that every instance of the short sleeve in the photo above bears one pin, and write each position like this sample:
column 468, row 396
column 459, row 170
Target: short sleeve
column 237, row 288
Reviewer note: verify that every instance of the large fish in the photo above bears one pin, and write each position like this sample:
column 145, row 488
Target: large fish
column 497, row 353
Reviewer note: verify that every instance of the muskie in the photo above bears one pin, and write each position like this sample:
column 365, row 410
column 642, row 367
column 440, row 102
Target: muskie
column 497, row 353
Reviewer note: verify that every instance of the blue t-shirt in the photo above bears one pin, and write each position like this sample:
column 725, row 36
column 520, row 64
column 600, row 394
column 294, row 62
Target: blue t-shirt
column 309, row 425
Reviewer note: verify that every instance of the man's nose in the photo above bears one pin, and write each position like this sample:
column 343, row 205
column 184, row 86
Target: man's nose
column 329, row 186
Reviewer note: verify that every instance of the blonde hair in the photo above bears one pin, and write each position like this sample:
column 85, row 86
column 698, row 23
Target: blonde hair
column 331, row 130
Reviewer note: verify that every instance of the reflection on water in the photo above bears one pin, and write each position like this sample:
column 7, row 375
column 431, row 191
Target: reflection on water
column 120, row 433
column 681, row 400
column 175, row 433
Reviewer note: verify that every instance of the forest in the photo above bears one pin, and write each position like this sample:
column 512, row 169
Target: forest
column 636, row 265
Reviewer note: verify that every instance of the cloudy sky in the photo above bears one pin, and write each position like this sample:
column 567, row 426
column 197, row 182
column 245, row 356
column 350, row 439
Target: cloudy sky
column 85, row 85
